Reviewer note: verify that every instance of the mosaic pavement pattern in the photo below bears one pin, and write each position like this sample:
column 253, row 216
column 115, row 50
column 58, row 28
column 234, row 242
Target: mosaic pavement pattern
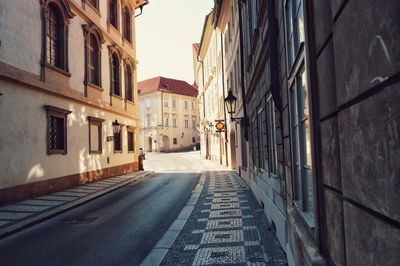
column 226, row 227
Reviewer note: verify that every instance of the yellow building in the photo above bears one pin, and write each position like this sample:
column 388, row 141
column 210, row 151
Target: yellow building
column 169, row 115
column 68, row 93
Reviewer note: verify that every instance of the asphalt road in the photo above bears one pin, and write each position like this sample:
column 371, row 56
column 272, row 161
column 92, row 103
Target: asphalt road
column 118, row 228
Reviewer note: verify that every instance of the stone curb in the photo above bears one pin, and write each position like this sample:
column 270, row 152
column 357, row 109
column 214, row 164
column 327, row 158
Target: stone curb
column 157, row 254
column 67, row 206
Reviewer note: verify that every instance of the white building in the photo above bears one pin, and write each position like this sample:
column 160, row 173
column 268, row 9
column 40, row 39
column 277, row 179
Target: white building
column 169, row 115
column 67, row 72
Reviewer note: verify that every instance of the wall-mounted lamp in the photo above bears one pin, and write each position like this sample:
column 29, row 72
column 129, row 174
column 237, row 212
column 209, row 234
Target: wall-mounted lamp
column 116, row 129
column 230, row 103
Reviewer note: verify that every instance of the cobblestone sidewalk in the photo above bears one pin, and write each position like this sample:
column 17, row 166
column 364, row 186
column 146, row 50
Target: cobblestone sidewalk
column 227, row 227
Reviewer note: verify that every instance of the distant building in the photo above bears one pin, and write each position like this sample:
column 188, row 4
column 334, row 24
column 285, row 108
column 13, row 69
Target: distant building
column 169, row 115
column 67, row 72
column 209, row 76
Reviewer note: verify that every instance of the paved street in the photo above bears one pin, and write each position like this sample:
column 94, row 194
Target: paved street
column 118, row 228
column 221, row 222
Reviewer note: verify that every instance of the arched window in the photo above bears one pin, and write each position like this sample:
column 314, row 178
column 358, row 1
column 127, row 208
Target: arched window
column 127, row 25
column 113, row 13
column 54, row 37
column 94, row 61
column 129, row 83
column 115, row 75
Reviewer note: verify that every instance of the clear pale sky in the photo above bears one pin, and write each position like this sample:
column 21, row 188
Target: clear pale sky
column 164, row 36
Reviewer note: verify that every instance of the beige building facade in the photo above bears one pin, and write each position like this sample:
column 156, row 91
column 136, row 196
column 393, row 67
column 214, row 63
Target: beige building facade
column 209, row 78
column 66, row 81
column 169, row 115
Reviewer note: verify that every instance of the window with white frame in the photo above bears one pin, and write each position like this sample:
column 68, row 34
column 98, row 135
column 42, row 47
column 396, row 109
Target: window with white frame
column 186, row 105
column 301, row 146
column 186, row 121
column 166, row 119
column 165, row 102
column 174, row 120
column 148, row 120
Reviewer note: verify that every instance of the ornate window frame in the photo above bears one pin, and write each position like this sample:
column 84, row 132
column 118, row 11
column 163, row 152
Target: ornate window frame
column 67, row 15
column 88, row 31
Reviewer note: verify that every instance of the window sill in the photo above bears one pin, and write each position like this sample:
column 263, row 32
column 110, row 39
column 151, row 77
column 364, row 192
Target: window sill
column 59, row 70
column 129, row 43
column 118, row 151
column 94, row 86
column 112, row 28
column 51, row 152
column 94, row 152
column 131, row 151
column 130, row 102
column 117, row 96
column 93, row 8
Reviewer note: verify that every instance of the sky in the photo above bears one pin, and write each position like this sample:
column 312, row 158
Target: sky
column 165, row 33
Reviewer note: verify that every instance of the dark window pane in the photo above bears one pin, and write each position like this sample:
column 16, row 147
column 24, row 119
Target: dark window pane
column 130, row 141
column 54, row 37
column 117, row 142
column 115, row 75
column 94, row 66
column 127, row 24
column 56, row 133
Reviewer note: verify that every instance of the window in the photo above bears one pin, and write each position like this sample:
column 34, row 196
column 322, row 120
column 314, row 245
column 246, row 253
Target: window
column 173, row 103
column 128, row 83
column 55, row 43
column 127, row 25
column 166, row 119
column 271, row 130
column 56, row 130
column 131, row 139
column 118, row 141
column 192, row 105
column 148, row 103
column 115, row 75
column 186, row 123
column 174, row 120
column 301, row 144
column 95, row 135
column 165, row 102
column 148, row 120
column 175, row 141
column 93, row 67
column 194, row 122
column 260, row 136
column 113, row 13
column 186, row 105
column 94, row 3
column 193, row 140
column 294, row 29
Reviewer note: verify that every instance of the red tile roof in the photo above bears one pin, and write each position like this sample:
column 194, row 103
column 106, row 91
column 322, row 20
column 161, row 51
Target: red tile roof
column 166, row 85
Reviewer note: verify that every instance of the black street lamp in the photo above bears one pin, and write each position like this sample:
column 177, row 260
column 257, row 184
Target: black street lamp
column 116, row 126
column 230, row 103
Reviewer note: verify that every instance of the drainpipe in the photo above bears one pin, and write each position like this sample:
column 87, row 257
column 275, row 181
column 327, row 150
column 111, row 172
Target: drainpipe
column 223, row 82
column 202, row 80
column 246, row 133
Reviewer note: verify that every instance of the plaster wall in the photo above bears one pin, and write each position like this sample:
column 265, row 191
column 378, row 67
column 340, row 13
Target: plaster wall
column 12, row 43
column 76, row 51
column 24, row 150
